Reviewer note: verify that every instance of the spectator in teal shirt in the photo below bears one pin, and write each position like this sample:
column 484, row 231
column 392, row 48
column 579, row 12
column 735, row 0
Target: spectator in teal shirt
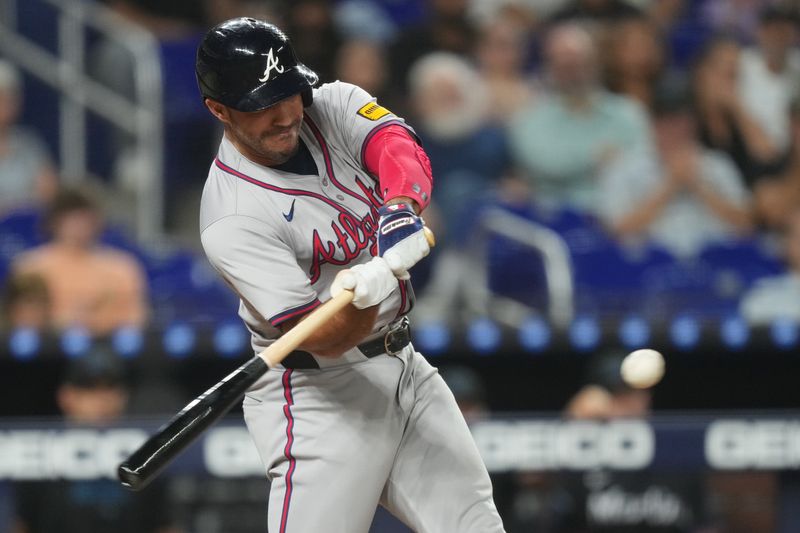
column 563, row 139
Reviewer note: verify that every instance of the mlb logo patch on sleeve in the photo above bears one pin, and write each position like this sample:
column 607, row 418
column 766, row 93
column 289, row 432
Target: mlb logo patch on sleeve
column 373, row 111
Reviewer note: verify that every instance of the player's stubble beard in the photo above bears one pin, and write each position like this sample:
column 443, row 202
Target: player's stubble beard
column 278, row 155
column 266, row 148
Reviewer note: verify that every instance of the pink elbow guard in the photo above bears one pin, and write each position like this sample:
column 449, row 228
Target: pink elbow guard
column 402, row 166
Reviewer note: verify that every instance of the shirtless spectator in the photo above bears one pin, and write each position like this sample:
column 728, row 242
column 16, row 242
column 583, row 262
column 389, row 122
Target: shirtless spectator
column 90, row 285
column 93, row 393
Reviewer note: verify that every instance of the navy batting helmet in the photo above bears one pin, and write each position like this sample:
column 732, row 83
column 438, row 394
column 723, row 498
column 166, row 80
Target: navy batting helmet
column 248, row 64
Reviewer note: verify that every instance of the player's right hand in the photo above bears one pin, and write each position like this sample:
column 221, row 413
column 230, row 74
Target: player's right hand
column 371, row 282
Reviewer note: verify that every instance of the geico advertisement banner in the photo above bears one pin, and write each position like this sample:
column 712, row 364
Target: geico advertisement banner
column 45, row 451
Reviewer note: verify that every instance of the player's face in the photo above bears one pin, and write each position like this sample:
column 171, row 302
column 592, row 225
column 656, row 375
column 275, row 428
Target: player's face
column 269, row 136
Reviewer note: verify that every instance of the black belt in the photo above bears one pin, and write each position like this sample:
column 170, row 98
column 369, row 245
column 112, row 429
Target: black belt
column 397, row 338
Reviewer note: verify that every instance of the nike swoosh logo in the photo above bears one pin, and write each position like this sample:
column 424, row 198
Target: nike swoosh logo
column 290, row 215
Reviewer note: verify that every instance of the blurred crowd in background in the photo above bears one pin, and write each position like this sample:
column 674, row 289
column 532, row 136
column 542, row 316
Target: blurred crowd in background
column 658, row 141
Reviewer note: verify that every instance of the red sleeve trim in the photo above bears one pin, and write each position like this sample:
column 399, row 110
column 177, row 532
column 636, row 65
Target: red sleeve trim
column 282, row 317
column 402, row 166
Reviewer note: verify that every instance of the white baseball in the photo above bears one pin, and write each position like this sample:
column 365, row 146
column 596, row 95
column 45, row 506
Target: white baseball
column 643, row 368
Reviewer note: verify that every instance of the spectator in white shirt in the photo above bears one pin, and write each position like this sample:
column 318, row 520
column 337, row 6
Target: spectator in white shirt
column 682, row 196
column 27, row 176
column 769, row 75
column 777, row 196
column 778, row 296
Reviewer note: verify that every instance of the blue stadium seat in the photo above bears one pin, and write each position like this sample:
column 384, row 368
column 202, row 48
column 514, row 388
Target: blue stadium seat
column 183, row 286
column 680, row 287
column 25, row 225
column 193, row 132
column 19, row 231
column 613, row 280
column 749, row 259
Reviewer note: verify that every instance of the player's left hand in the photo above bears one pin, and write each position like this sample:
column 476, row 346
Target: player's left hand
column 401, row 238
column 371, row 283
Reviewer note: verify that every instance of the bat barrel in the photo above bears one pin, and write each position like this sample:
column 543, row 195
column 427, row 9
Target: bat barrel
column 146, row 462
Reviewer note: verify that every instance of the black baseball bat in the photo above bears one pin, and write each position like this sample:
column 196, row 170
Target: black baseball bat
column 177, row 434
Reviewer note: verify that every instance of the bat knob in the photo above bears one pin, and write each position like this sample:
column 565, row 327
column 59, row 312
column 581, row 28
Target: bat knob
column 130, row 478
column 429, row 236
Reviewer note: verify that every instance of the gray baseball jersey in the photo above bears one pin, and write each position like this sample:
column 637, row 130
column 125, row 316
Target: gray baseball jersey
column 338, row 440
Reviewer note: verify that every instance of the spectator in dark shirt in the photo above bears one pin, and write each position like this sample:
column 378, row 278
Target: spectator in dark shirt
column 468, row 153
column 220, row 10
column 469, row 390
column 93, row 393
column 468, row 157
column 595, row 10
column 724, row 122
column 641, row 501
column 167, row 20
column 667, row 14
column 446, row 29
column 501, row 53
column 634, row 60
column 778, row 197
column 314, row 37
column 364, row 63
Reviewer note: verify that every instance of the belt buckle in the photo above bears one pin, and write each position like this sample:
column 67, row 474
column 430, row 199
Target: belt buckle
column 387, row 341
column 387, row 338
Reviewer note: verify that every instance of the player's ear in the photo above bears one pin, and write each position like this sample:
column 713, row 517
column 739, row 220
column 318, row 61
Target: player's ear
column 218, row 110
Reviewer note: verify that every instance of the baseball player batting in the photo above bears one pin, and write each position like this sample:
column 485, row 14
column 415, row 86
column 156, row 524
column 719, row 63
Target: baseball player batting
column 315, row 191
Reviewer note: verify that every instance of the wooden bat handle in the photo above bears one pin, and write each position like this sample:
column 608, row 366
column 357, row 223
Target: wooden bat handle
column 429, row 236
column 155, row 454
column 286, row 343
column 289, row 341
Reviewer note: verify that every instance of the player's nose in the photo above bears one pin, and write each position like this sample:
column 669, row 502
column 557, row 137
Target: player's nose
column 287, row 112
